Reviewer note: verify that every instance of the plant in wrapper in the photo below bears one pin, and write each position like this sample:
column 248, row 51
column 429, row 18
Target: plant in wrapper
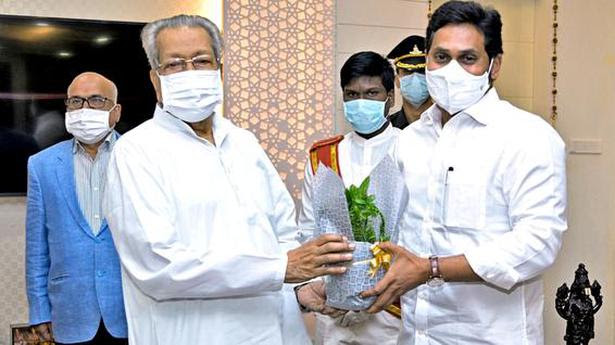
column 362, row 209
column 357, row 212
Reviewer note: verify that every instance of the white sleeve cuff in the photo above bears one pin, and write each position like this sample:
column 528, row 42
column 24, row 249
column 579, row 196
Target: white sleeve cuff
column 281, row 272
column 486, row 264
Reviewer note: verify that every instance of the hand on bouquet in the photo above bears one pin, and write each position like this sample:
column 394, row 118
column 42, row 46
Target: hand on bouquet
column 406, row 272
column 314, row 258
column 312, row 296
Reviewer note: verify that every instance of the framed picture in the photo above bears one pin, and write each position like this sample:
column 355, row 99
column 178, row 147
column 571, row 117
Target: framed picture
column 23, row 334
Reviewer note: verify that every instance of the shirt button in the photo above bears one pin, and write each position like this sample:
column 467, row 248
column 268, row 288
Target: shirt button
column 96, row 216
column 95, row 188
column 100, row 273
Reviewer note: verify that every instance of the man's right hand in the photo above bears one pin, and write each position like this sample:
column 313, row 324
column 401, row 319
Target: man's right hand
column 313, row 297
column 43, row 331
column 313, row 258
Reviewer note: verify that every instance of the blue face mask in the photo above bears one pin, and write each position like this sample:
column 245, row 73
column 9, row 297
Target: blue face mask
column 413, row 89
column 365, row 115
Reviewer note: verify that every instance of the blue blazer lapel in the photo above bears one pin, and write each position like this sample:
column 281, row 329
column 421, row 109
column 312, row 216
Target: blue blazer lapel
column 103, row 226
column 66, row 182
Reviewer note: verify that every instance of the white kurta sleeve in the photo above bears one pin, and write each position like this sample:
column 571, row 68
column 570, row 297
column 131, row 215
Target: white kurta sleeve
column 534, row 182
column 307, row 222
column 282, row 217
column 281, row 207
column 140, row 214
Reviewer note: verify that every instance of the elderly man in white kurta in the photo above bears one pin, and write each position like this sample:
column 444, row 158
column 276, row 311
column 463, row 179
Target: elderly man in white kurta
column 203, row 224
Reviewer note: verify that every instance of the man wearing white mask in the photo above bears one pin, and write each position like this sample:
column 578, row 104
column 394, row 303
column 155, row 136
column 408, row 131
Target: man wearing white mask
column 368, row 92
column 486, row 212
column 409, row 60
column 73, row 276
column 202, row 222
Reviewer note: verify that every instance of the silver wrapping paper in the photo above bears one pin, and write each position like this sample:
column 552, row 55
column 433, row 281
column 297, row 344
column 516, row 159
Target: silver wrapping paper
column 331, row 216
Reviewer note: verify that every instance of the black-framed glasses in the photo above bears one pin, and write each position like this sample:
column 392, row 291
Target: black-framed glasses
column 94, row 102
column 180, row 64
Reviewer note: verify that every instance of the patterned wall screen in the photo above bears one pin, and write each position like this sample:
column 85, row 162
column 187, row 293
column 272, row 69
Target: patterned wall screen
column 279, row 75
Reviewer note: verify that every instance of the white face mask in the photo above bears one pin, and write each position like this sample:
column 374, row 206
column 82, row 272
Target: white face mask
column 191, row 95
column 454, row 89
column 89, row 126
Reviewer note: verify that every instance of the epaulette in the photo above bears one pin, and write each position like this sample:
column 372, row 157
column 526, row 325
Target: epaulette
column 326, row 152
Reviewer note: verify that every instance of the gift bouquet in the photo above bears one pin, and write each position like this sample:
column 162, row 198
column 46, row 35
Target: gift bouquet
column 367, row 214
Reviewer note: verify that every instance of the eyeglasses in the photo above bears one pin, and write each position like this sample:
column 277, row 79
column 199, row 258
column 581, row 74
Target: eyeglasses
column 94, row 102
column 180, row 64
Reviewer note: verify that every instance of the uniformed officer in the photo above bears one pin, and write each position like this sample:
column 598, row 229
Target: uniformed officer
column 409, row 60
column 367, row 81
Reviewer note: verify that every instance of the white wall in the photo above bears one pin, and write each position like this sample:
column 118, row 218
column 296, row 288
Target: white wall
column 133, row 10
column 13, row 305
column 586, row 99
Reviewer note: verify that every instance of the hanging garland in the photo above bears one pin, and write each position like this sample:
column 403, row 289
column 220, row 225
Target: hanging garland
column 428, row 9
column 554, row 66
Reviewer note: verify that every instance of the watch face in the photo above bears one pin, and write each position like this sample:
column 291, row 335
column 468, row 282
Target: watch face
column 435, row 281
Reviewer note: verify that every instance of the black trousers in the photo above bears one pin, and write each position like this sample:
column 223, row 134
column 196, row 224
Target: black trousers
column 102, row 337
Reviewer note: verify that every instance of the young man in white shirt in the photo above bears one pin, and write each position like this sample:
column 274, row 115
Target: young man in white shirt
column 486, row 212
column 367, row 81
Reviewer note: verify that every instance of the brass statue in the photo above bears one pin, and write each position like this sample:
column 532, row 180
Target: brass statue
column 577, row 308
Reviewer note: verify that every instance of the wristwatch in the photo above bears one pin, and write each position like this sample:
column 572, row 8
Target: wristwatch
column 302, row 308
column 435, row 277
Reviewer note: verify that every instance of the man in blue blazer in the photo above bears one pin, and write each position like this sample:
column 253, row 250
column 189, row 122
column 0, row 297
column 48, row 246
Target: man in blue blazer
column 72, row 268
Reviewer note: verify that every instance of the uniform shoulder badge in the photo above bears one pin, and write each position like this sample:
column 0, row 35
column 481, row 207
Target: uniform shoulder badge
column 326, row 152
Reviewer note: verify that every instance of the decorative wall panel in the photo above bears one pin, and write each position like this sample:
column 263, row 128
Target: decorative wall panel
column 279, row 73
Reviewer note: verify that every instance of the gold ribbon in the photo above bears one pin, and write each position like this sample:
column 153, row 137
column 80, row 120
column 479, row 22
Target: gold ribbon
column 381, row 259
column 393, row 310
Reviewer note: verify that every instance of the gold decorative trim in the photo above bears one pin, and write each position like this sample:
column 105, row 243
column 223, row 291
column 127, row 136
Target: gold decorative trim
column 429, row 9
column 554, row 112
column 410, row 66
column 414, row 53
column 334, row 163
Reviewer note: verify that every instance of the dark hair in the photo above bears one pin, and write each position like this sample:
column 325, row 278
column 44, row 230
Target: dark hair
column 485, row 19
column 368, row 64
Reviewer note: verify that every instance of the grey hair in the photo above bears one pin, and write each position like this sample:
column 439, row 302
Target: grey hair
column 151, row 30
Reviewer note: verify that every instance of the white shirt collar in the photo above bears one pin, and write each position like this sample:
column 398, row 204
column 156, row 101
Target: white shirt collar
column 382, row 136
column 108, row 142
column 481, row 111
column 220, row 126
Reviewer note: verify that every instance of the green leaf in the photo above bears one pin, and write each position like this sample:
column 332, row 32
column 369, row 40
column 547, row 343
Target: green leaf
column 364, row 186
column 362, row 210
